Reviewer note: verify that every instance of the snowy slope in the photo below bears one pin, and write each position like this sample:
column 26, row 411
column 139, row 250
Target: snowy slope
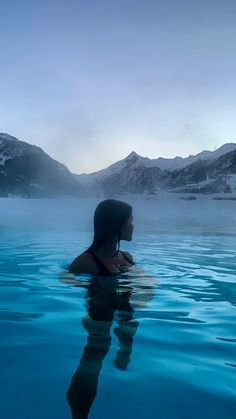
column 10, row 151
column 27, row 171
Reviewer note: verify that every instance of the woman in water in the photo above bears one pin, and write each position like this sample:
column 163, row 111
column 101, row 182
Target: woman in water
column 110, row 298
column 113, row 221
column 107, row 300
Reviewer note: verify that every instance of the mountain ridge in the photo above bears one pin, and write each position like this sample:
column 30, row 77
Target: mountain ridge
column 202, row 173
column 26, row 170
column 162, row 163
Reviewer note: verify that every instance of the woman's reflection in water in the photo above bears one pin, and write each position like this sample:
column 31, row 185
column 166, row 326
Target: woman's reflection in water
column 105, row 297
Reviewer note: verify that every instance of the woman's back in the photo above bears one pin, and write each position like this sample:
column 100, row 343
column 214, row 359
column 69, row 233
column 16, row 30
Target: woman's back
column 90, row 262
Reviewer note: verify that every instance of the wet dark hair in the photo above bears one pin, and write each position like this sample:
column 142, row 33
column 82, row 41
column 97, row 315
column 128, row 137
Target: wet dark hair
column 109, row 217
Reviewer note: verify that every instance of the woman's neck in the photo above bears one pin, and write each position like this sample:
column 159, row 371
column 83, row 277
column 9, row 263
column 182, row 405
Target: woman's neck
column 109, row 248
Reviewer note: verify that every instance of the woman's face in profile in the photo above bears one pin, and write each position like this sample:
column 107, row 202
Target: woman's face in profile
column 127, row 229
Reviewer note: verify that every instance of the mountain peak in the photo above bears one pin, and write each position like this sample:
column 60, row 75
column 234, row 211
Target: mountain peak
column 132, row 155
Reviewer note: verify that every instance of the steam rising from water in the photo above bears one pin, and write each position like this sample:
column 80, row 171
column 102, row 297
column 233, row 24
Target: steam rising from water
column 163, row 214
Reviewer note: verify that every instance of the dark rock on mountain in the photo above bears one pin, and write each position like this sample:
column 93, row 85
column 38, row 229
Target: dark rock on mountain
column 135, row 181
column 194, row 173
column 215, row 172
column 226, row 164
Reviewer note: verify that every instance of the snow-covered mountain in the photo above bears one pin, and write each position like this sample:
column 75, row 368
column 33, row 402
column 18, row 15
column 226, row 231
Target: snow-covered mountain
column 136, row 160
column 26, row 170
column 137, row 175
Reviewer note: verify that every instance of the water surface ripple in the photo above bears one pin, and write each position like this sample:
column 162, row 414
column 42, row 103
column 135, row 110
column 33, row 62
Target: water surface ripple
column 157, row 341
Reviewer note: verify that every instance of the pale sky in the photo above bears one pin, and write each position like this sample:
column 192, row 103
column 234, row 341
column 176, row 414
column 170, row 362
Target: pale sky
column 91, row 81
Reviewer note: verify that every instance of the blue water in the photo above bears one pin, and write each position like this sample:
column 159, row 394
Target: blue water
column 161, row 336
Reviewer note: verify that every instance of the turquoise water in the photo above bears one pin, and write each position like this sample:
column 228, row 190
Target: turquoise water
column 161, row 336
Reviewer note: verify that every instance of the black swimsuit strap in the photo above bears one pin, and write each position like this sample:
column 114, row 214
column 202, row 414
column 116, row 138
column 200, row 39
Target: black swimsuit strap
column 102, row 268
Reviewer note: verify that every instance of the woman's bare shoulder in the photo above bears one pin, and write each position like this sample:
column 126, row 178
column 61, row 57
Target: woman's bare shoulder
column 128, row 255
column 83, row 263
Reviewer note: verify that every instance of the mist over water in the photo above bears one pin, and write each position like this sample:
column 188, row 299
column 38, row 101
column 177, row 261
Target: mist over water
column 166, row 213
